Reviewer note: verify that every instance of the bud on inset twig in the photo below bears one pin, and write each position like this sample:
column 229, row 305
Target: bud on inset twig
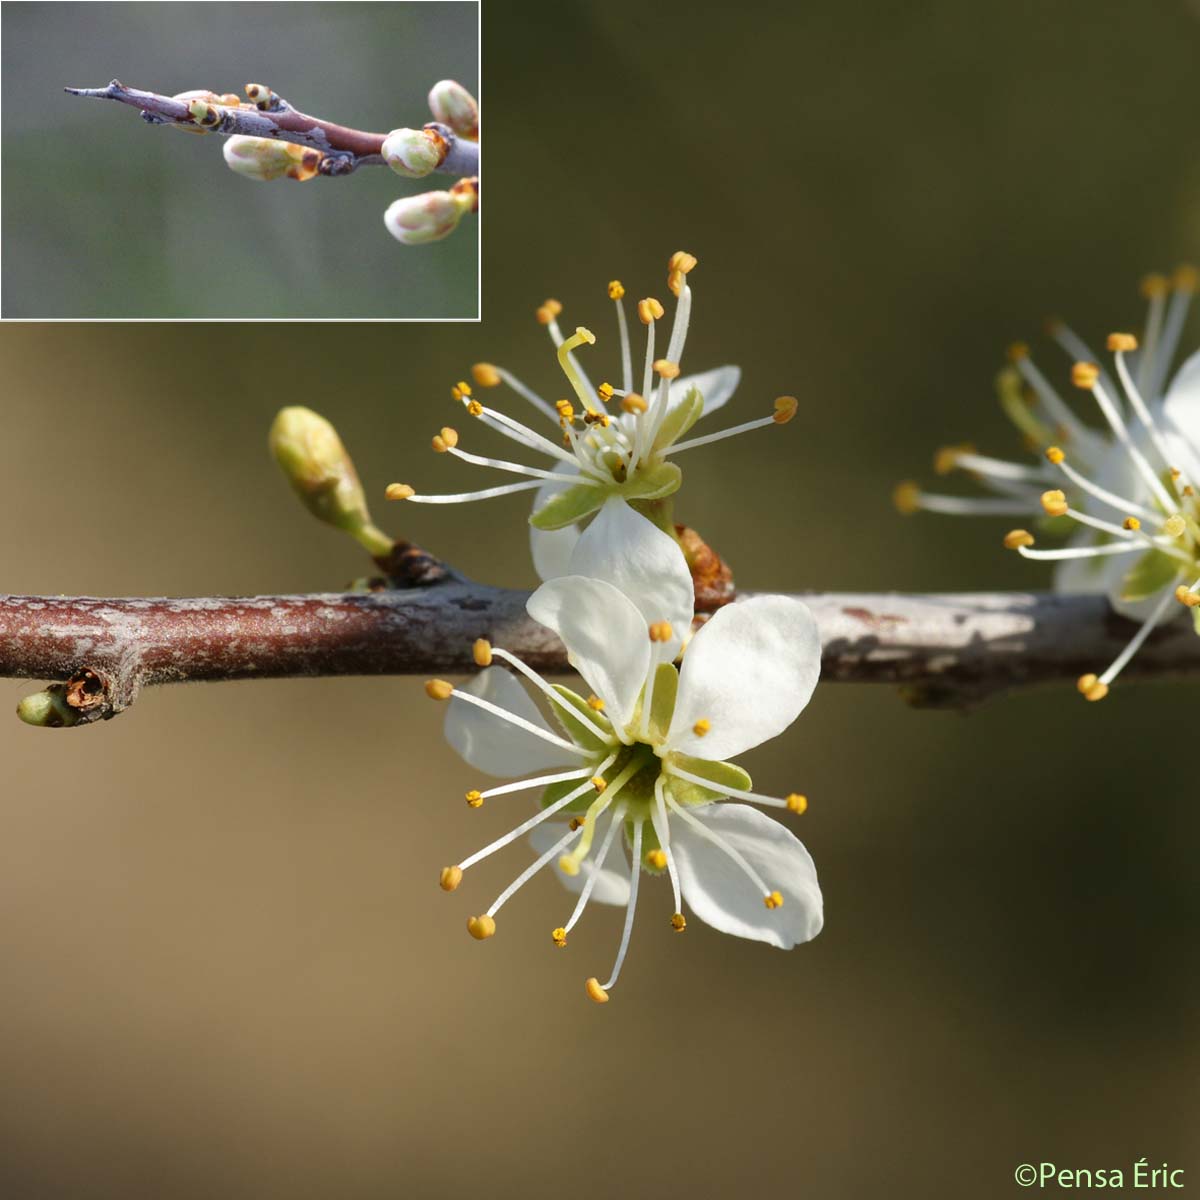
column 308, row 449
column 415, row 220
column 453, row 105
column 48, row 709
column 414, row 153
column 265, row 158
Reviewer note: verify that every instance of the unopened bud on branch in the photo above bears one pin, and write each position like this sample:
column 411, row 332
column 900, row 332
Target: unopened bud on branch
column 414, row 153
column 265, row 158
column 415, row 220
column 453, row 105
column 48, row 709
column 308, row 449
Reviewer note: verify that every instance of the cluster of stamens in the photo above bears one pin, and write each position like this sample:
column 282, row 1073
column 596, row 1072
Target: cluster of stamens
column 630, row 784
column 1162, row 517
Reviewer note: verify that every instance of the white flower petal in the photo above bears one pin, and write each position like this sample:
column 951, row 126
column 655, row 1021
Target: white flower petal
column 642, row 562
column 606, row 637
column 492, row 745
column 612, row 887
column 716, row 386
column 722, row 895
column 748, row 673
column 1182, row 403
column 551, row 548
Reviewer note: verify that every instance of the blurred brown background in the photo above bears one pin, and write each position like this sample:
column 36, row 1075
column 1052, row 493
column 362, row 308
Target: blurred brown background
column 229, row 970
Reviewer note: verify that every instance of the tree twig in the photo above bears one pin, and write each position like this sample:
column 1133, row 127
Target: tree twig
column 947, row 651
column 345, row 148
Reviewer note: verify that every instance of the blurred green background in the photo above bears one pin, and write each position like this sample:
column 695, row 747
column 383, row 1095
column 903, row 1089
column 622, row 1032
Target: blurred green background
column 229, row 970
column 105, row 216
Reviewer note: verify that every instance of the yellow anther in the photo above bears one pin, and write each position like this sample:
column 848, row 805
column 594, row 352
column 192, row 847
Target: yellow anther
column 1055, row 503
column 548, row 311
column 1184, row 278
column 399, row 491
column 438, row 689
column 661, row 631
column 1055, row 455
column 481, row 651
column 605, row 392
column 906, row 497
column 678, row 922
column 1090, row 687
column 475, row 798
column 485, row 375
column 774, row 900
column 1017, row 351
column 1120, row 343
column 656, row 859
column 446, row 440
column 569, row 864
column 946, row 458
column 1084, row 375
column 481, row 927
column 595, row 991
column 1132, row 524
column 574, row 823
column 1014, row 539
column 649, row 310
column 1174, row 526
column 797, row 803
column 463, row 388
column 1187, row 597
column 475, row 408
column 1188, row 490
column 450, row 878
column 592, row 417
column 666, row 369
column 676, row 283
column 559, row 937
column 702, row 726
column 784, row 409
column 595, row 703
column 599, row 783
column 681, row 260
column 1153, row 285
column 633, row 403
column 616, row 289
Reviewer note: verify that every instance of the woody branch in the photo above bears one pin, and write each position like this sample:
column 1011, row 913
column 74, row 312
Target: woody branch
column 948, row 651
column 273, row 117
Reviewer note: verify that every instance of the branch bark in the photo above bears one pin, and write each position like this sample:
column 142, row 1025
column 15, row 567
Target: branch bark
column 346, row 148
column 947, row 651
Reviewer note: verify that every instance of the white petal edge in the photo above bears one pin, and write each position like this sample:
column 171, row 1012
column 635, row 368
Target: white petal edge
column 722, row 895
column 642, row 562
column 492, row 745
column 605, row 635
column 1182, row 403
column 716, row 386
column 749, row 673
column 612, row 887
column 551, row 548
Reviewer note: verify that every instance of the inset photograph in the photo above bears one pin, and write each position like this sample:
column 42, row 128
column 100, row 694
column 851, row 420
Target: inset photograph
column 329, row 168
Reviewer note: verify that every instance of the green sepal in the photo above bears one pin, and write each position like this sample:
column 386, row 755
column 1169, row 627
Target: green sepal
column 568, row 506
column 651, row 482
column 556, row 791
column 1150, row 574
column 679, row 420
column 576, row 730
column 662, row 704
column 724, row 776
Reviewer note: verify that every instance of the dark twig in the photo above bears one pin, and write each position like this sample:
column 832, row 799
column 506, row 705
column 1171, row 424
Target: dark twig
column 345, row 148
column 948, row 651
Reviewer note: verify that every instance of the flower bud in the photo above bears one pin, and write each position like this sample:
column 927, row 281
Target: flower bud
column 453, row 105
column 322, row 474
column 415, row 220
column 265, row 158
column 413, row 153
column 49, row 709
